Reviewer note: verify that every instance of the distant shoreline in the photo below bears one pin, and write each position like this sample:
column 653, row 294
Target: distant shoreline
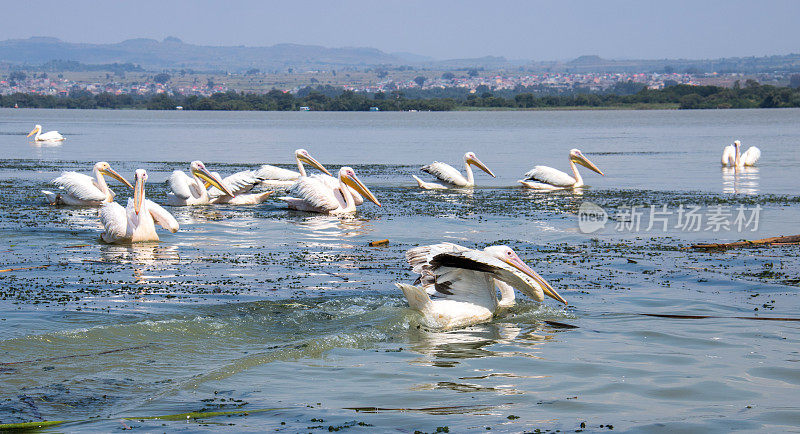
column 751, row 95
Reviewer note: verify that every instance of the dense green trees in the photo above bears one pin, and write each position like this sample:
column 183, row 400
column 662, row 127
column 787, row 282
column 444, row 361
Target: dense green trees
column 328, row 98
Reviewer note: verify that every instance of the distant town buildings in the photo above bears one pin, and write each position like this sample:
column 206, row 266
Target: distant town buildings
column 555, row 82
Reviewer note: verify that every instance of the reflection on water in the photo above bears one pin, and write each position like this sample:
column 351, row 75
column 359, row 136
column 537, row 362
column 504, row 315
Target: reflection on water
column 325, row 227
column 495, row 340
column 44, row 143
column 742, row 180
column 147, row 258
column 472, row 342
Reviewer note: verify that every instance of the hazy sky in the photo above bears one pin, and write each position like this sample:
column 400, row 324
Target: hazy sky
column 539, row 30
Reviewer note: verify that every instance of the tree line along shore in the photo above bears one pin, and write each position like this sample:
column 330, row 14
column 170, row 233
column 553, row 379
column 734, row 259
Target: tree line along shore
column 751, row 95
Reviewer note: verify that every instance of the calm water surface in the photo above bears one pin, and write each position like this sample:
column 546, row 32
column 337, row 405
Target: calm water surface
column 293, row 318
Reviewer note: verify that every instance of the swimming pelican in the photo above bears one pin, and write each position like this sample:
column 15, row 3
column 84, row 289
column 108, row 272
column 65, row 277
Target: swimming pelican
column 136, row 223
column 277, row 177
column 80, row 189
column 450, row 175
column 316, row 196
column 732, row 156
column 188, row 190
column 458, row 284
column 50, row 136
column 547, row 178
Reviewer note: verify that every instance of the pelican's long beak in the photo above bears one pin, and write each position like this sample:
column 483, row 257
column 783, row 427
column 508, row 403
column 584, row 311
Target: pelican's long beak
column 138, row 194
column 583, row 161
column 310, row 160
column 478, row 163
column 546, row 288
column 360, row 187
column 212, row 179
column 112, row 173
column 32, row 132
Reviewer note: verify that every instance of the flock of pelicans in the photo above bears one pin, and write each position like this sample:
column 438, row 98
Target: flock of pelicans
column 457, row 286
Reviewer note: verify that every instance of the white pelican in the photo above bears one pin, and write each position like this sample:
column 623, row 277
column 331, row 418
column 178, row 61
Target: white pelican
column 459, row 285
column 136, row 223
column 79, row 189
column 276, row 177
column 547, row 178
column 315, row 196
column 448, row 174
column 188, row 190
column 50, row 136
column 732, row 156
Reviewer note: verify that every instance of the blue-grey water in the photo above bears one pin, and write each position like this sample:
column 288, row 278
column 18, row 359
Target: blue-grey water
column 295, row 319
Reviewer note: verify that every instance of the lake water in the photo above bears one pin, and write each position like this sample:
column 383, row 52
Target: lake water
column 295, row 319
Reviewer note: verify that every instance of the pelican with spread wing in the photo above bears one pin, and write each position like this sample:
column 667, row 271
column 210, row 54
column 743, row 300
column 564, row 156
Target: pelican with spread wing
column 136, row 223
column 733, row 157
column 79, row 189
column 314, row 195
column 273, row 176
column 50, row 136
column 547, row 178
column 458, row 286
column 191, row 190
column 450, row 175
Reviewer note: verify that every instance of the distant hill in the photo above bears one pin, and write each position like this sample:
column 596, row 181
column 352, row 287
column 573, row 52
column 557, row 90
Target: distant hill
column 172, row 53
column 596, row 64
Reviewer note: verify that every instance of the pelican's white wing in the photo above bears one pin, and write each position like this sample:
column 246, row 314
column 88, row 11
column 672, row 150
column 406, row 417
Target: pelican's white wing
column 115, row 222
column 51, row 135
column 420, row 257
column 267, row 172
column 477, row 261
column 314, row 194
column 548, row 175
column 458, row 284
column 445, row 172
column 238, row 183
column 80, row 186
column 729, row 155
column 751, row 156
column 179, row 184
column 162, row 216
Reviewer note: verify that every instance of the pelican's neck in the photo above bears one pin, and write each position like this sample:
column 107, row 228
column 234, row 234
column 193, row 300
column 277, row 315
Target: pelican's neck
column 578, row 179
column 470, row 175
column 738, row 159
column 100, row 179
column 38, row 131
column 507, row 295
column 349, row 204
column 300, row 167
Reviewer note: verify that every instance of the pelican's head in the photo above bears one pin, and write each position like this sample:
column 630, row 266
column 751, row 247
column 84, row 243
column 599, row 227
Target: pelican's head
column 737, row 144
column 199, row 170
column 105, row 169
column 138, row 191
column 576, row 156
column 507, row 255
column 35, row 130
column 304, row 156
column 470, row 158
column 348, row 176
